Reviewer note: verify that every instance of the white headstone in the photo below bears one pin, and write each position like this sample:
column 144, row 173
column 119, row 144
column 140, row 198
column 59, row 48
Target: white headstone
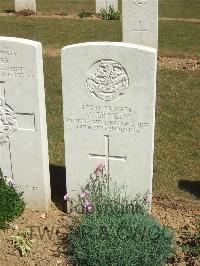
column 140, row 22
column 23, row 131
column 109, row 107
column 24, row 5
column 104, row 4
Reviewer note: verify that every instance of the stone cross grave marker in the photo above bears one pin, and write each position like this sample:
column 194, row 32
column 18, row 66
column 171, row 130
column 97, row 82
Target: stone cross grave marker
column 140, row 22
column 104, row 4
column 24, row 5
column 109, row 107
column 107, row 157
column 23, row 132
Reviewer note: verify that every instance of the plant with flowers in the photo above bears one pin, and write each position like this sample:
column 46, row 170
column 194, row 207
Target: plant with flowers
column 114, row 228
column 101, row 195
column 11, row 202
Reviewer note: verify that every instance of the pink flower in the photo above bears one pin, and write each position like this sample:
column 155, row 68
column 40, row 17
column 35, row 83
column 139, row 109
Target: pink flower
column 66, row 197
column 88, row 206
column 99, row 168
column 83, row 195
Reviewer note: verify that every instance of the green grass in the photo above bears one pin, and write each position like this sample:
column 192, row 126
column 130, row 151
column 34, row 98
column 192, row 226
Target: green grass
column 53, row 92
column 69, row 6
column 177, row 130
column 55, row 6
column 175, row 38
column 179, row 38
column 167, row 8
column 65, row 31
column 179, row 8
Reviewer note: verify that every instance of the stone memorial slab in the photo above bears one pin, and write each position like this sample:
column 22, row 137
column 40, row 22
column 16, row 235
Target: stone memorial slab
column 24, row 5
column 104, row 4
column 23, row 131
column 140, row 22
column 109, row 107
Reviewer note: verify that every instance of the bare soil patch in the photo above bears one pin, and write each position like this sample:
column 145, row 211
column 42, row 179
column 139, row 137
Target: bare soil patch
column 164, row 62
column 49, row 229
column 178, row 214
column 52, row 16
column 51, row 52
column 178, row 63
column 192, row 20
column 92, row 17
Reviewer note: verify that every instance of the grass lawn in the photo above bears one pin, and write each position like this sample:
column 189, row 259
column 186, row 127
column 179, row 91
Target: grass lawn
column 179, row 8
column 177, row 135
column 175, row 37
column 167, row 8
column 179, row 38
column 55, row 6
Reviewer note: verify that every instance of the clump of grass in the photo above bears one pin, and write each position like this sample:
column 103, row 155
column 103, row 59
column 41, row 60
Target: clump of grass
column 84, row 14
column 110, row 13
column 115, row 230
column 22, row 242
column 11, row 203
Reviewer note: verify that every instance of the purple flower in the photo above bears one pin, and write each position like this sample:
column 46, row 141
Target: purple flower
column 83, row 195
column 99, row 168
column 66, row 197
column 88, row 206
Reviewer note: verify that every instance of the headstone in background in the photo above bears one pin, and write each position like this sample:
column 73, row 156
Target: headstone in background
column 140, row 22
column 109, row 92
column 23, row 131
column 24, row 5
column 104, row 4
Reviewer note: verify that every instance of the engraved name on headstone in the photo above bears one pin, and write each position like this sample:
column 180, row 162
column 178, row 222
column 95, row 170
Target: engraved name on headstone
column 109, row 107
column 23, row 132
column 104, row 4
column 140, row 22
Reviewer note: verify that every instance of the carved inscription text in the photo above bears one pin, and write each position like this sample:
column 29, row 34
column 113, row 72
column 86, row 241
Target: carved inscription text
column 106, row 118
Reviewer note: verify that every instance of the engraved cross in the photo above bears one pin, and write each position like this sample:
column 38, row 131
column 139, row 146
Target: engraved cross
column 10, row 122
column 107, row 157
column 140, row 30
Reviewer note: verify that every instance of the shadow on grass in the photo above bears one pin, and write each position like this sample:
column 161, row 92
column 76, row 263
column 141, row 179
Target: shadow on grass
column 58, row 186
column 192, row 187
column 8, row 10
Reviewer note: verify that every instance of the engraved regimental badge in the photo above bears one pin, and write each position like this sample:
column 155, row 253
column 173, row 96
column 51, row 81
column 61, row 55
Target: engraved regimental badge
column 8, row 122
column 107, row 80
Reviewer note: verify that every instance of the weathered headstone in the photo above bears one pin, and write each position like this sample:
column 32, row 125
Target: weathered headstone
column 25, row 5
column 109, row 107
column 23, row 132
column 104, row 4
column 140, row 22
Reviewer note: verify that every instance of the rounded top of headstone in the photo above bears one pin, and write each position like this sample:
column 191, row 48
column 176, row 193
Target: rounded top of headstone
column 112, row 44
column 20, row 40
